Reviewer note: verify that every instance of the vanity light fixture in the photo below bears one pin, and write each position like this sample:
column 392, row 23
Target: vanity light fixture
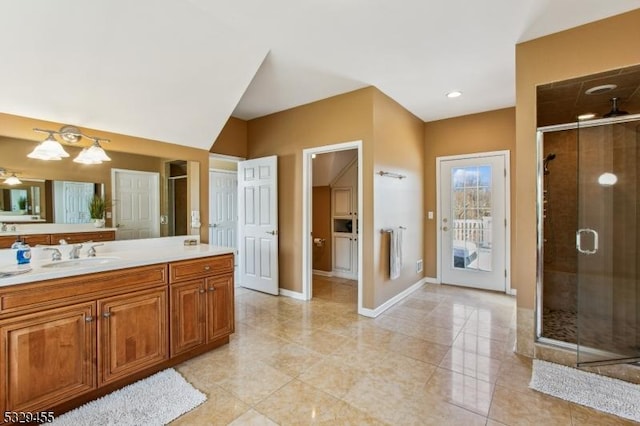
column 51, row 149
column 12, row 180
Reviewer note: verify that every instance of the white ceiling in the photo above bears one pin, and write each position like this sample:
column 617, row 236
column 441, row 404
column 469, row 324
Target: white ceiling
column 175, row 70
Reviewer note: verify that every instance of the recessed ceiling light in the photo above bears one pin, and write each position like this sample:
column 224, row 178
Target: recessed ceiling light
column 454, row 94
column 587, row 116
column 596, row 90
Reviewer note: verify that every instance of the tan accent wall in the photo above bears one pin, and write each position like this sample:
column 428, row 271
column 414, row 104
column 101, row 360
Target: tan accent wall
column 483, row 132
column 343, row 118
column 322, row 256
column 15, row 127
column 392, row 139
column 399, row 148
column 599, row 46
column 232, row 140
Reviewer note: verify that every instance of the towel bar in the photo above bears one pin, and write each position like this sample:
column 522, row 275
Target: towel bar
column 388, row 231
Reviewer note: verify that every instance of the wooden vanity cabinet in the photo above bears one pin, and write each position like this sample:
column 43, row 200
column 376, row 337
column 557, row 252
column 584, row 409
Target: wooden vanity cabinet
column 66, row 337
column 132, row 333
column 47, row 357
column 71, row 238
column 201, row 302
column 69, row 340
column 7, row 240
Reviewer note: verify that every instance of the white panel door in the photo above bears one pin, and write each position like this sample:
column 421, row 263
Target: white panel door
column 258, row 224
column 223, row 211
column 136, row 204
column 76, row 201
column 342, row 253
column 473, row 221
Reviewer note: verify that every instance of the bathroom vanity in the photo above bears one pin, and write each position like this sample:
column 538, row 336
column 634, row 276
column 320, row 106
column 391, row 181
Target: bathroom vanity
column 73, row 330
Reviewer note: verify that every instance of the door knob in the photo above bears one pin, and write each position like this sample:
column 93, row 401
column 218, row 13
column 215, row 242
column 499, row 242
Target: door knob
column 445, row 228
column 272, row 232
column 213, row 225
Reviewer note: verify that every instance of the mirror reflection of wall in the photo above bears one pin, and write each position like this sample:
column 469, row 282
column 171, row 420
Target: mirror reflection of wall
column 178, row 207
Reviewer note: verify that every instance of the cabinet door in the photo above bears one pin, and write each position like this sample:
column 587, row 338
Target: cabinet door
column 342, row 253
column 47, row 358
column 188, row 309
column 132, row 332
column 341, row 201
column 219, row 306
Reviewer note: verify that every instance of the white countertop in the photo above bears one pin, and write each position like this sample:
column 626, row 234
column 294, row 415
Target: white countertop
column 51, row 228
column 120, row 255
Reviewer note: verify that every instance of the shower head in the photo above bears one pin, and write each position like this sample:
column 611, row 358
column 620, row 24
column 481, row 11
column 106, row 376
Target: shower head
column 545, row 164
column 615, row 112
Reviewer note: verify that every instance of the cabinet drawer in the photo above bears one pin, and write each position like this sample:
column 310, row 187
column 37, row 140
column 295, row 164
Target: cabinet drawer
column 82, row 237
column 188, row 269
column 32, row 240
column 57, row 292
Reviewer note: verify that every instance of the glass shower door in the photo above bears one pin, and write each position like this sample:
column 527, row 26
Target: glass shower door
column 607, row 241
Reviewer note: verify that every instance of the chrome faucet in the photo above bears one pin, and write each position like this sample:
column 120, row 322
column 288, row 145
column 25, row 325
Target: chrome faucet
column 92, row 250
column 56, row 255
column 75, row 251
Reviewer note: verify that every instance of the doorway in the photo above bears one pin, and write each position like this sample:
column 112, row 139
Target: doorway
column 337, row 244
column 473, row 237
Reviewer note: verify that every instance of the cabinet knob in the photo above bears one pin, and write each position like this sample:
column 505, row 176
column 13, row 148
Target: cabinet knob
column 202, row 290
column 206, row 268
column 212, row 289
column 88, row 318
column 106, row 314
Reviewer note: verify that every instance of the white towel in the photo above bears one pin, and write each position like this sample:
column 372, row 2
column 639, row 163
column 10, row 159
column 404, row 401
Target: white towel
column 395, row 253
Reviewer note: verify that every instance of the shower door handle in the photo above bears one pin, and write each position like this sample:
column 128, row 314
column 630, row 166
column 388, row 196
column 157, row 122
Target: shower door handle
column 579, row 241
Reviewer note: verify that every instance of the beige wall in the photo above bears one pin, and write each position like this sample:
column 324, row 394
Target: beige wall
column 392, row 140
column 487, row 131
column 343, row 118
column 232, row 139
column 399, row 148
column 15, row 127
column 595, row 47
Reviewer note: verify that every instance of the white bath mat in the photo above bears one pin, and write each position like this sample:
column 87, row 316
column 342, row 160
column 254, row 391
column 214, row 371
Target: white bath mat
column 602, row 393
column 156, row 400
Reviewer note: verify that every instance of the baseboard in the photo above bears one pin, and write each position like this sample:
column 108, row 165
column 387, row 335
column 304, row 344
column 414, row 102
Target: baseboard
column 512, row 292
column 322, row 273
column 431, row 280
column 372, row 313
column 292, row 294
column 345, row 275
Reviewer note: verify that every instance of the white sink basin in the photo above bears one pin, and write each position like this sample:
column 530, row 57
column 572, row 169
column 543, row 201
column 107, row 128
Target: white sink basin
column 85, row 261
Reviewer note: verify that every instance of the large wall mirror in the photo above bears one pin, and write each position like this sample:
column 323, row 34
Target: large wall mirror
column 59, row 191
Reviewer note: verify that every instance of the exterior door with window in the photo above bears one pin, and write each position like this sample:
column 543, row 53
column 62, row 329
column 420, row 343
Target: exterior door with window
column 473, row 224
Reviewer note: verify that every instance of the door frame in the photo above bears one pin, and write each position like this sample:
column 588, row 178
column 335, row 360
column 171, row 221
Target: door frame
column 307, row 196
column 507, row 214
column 156, row 192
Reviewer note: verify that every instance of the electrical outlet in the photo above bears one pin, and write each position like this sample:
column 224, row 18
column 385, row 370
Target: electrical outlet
column 419, row 266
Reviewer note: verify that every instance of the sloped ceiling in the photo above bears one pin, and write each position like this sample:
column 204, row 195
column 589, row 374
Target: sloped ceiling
column 327, row 166
column 175, row 70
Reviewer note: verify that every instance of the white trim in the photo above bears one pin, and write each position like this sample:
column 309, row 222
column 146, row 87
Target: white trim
column 389, row 303
column 322, row 273
column 507, row 208
column 307, row 191
column 230, row 172
column 292, row 294
column 431, row 280
column 226, row 157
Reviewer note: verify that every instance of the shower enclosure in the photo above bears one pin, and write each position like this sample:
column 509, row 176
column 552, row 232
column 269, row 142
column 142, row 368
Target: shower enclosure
column 589, row 239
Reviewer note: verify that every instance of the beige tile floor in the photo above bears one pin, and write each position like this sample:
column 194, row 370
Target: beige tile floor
column 443, row 356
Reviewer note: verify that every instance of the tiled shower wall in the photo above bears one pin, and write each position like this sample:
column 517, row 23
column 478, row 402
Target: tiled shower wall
column 560, row 222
